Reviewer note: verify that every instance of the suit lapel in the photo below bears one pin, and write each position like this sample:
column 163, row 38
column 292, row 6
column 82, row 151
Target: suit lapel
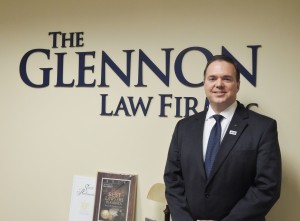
column 233, row 133
column 198, row 136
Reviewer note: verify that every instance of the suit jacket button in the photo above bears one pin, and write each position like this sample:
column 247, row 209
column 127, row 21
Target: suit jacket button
column 206, row 195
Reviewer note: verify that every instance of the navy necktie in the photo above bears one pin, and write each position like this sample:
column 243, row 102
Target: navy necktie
column 213, row 144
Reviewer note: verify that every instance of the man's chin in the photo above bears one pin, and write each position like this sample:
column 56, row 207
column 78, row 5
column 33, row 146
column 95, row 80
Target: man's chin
column 219, row 101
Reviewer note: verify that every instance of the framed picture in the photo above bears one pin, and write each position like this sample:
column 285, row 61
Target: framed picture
column 82, row 198
column 115, row 197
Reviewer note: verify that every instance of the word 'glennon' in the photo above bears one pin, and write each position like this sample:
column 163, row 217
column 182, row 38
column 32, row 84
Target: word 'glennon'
column 85, row 77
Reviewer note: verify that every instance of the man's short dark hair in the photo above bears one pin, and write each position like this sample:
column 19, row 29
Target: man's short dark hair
column 223, row 58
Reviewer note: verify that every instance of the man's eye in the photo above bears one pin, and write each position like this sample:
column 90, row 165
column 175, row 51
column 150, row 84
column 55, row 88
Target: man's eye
column 228, row 79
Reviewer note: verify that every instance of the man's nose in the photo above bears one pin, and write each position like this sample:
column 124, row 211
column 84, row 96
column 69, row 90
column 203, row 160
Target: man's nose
column 219, row 82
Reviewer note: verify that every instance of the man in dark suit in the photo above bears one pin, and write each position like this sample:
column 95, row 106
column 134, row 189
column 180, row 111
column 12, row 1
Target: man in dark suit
column 242, row 181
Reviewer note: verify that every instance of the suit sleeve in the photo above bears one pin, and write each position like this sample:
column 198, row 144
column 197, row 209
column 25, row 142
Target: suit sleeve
column 175, row 190
column 265, row 190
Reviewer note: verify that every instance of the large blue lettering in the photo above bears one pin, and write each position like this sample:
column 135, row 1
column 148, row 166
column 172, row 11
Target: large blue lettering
column 143, row 58
column 46, row 71
column 178, row 65
column 107, row 60
column 125, row 77
column 250, row 77
column 60, row 72
column 122, row 106
column 82, row 68
column 141, row 104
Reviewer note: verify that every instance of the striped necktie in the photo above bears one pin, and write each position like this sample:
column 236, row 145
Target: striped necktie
column 213, row 144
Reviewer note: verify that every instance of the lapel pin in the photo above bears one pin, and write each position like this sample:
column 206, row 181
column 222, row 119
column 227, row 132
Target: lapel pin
column 232, row 132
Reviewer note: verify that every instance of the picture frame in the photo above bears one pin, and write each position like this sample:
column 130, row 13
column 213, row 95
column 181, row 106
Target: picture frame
column 115, row 197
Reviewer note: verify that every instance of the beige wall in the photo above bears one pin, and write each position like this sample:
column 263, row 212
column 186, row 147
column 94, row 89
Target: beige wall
column 48, row 135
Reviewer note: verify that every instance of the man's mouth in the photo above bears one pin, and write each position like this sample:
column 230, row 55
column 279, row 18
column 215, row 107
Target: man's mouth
column 219, row 92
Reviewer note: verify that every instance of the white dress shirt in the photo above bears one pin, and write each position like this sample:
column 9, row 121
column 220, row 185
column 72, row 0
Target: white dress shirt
column 210, row 122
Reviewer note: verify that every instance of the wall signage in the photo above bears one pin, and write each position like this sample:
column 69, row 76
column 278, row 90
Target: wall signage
column 132, row 105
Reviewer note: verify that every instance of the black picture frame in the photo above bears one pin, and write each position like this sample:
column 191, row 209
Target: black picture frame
column 115, row 197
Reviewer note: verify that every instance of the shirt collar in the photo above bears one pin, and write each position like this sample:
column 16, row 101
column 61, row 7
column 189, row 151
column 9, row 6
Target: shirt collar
column 227, row 113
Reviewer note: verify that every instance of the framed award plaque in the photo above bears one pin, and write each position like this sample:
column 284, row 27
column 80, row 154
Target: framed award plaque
column 115, row 197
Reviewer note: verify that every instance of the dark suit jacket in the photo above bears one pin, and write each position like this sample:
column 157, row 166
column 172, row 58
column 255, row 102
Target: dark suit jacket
column 245, row 180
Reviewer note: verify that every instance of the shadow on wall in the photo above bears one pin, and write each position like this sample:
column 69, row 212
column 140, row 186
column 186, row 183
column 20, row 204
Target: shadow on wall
column 288, row 206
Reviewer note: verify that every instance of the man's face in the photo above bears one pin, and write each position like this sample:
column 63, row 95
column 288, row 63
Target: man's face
column 221, row 85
